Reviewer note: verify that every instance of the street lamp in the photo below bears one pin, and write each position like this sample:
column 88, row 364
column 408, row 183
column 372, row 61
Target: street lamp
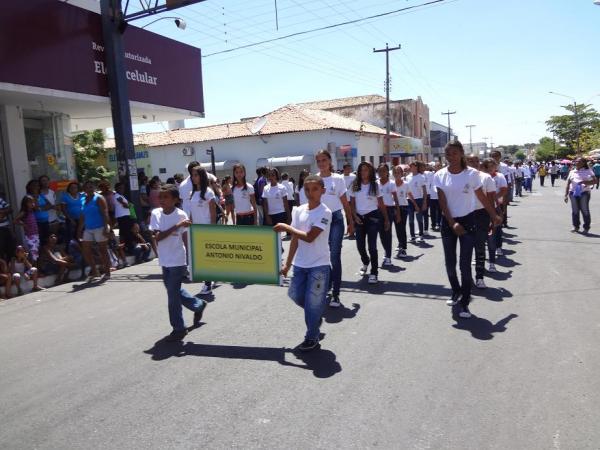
column 211, row 152
column 179, row 22
column 574, row 111
column 486, row 153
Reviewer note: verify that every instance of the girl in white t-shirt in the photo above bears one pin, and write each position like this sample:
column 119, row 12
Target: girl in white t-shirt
column 275, row 198
column 202, row 207
column 370, row 214
column 244, row 199
column 417, row 200
column 402, row 196
column 300, row 194
column 390, row 200
column 482, row 218
column 337, row 202
column 457, row 185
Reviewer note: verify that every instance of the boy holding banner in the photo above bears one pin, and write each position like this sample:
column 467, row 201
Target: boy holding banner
column 309, row 252
column 167, row 224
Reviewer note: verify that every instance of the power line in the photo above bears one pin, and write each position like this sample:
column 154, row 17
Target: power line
column 349, row 22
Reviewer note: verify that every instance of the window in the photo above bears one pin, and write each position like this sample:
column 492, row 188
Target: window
column 162, row 170
column 372, row 160
column 362, row 159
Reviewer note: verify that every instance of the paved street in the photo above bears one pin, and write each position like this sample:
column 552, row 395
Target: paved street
column 84, row 368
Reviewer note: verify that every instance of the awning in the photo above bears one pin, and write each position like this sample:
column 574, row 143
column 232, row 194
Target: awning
column 220, row 165
column 397, row 154
column 284, row 161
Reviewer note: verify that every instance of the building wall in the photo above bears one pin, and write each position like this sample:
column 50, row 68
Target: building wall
column 248, row 150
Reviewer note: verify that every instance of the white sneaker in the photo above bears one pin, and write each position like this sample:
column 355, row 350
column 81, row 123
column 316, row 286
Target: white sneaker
column 206, row 290
column 453, row 300
column 492, row 268
column 480, row 283
column 499, row 252
column 386, row 262
column 420, row 239
column 465, row 313
column 363, row 269
column 372, row 279
column 473, row 262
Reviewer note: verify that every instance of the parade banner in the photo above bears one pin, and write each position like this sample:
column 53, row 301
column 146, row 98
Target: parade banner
column 238, row 254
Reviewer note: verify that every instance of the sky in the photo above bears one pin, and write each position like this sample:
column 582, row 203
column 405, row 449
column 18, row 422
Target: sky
column 493, row 62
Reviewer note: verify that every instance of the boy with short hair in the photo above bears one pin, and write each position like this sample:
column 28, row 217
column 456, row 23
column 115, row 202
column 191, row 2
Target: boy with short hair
column 309, row 252
column 167, row 224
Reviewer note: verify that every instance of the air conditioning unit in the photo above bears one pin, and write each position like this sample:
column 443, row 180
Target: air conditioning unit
column 188, row 151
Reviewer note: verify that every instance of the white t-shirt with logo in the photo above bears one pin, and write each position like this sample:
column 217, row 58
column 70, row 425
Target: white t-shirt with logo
column 275, row 196
column 364, row 201
column 335, row 187
column 301, row 195
column 315, row 253
column 459, row 189
column 487, row 185
column 387, row 190
column 402, row 193
column 120, row 210
column 290, row 189
column 348, row 180
column 171, row 251
column 415, row 184
column 241, row 199
column 198, row 208
column 429, row 177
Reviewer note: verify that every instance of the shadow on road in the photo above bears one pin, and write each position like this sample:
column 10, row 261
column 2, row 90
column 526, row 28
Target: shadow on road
column 321, row 362
column 481, row 328
column 398, row 288
column 336, row 315
column 493, row 294
column 410, row 258
column 499, row 276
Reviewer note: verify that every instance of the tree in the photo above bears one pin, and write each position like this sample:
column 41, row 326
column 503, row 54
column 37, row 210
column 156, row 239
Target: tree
column 520, row 154
column 548, row 149
column 567, row 128
column 88, row 146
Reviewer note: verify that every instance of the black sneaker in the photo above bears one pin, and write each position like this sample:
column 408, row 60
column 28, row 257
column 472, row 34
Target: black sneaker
column 464, row 312
column 198, row 315
column 308, row 345
column 176, row 335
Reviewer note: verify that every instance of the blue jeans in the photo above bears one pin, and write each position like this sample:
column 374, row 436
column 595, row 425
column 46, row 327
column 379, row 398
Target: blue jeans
column 581, row 204
column 411, row 215
column 368, row 230
column 308, row 289
column 172, row 277
column 336, row 237
column 467, row 242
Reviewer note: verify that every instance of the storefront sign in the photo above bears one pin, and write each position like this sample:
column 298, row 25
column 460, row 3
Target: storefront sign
column 52, row 44
column 242, row 254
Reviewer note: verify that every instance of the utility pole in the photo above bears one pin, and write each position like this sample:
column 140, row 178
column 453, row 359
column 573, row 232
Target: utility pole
column 211, row 152
column 113, row 26
column 387, row 51
column 114, row 23
column 449, row 113
column 470, row 127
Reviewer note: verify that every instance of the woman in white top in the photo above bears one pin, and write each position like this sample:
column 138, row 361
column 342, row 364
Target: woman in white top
column 202, row 207
column 300, row 194
column 579, row 189
column 402, row 196
column 482, row 219
column 457, row 185
column 335, row 199
column 387, row 189
column 244, row 199
column 369, row 214
column 434, row 204
column 275, row 198
column 417, row 200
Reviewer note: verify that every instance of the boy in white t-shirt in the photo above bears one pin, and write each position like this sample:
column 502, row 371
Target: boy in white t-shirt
column 167, row 223
column 309, row 252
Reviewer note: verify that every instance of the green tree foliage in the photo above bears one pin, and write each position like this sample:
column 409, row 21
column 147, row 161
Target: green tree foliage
column 548, row 150
column 89, row 145
column 583, row 118
column 510, row 149
column 520, row 154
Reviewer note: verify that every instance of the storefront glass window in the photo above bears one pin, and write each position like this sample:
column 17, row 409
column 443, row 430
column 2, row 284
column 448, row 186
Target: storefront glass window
column 49, row 146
